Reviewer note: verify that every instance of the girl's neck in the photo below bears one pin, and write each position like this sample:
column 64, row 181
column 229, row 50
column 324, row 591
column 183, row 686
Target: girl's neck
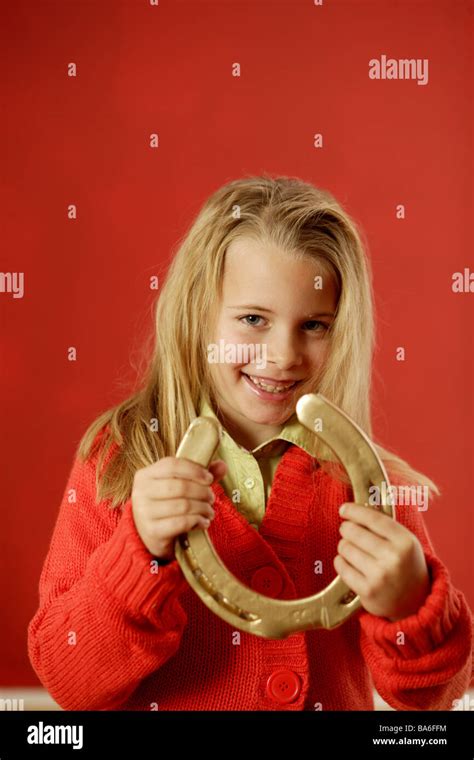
column 247, row 433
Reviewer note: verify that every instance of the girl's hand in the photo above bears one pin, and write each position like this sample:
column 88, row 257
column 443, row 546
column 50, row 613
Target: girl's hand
column 170, row 497
column 381, row 561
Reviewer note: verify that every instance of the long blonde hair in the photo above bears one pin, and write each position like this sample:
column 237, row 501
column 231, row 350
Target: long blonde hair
column 295, row 216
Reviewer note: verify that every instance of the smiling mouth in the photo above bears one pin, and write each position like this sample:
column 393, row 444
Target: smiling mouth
column 271, row 388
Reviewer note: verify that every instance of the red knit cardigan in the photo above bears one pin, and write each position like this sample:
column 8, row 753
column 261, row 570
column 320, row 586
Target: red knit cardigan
column 110, row 634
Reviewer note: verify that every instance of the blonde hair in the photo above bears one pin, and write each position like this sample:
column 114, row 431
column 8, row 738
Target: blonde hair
column 297, row 217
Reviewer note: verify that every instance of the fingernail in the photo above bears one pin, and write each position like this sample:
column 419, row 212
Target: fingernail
column 209, row 477
column 342, row 509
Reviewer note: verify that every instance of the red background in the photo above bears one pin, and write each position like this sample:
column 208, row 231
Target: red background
column 85, row 140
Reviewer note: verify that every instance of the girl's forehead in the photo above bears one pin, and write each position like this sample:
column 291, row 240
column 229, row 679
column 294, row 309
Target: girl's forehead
column 250, row 265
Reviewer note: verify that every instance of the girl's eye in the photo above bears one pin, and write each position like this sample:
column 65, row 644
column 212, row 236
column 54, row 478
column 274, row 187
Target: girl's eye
column 319, row 325
column 248, row 316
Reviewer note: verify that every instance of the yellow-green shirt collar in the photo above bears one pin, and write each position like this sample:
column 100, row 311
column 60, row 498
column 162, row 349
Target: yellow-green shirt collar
column 292, row 432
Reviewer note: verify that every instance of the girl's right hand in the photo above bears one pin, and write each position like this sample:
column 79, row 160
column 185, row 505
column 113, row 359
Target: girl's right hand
column 170, row 497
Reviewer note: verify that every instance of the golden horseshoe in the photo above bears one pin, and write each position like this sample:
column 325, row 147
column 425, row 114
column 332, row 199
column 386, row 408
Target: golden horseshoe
column 221, row 591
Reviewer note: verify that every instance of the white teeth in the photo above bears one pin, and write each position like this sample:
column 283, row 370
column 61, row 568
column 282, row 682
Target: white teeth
column 269, row 388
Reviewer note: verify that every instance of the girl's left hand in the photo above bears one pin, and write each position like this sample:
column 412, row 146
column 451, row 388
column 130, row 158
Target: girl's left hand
column 381, row 561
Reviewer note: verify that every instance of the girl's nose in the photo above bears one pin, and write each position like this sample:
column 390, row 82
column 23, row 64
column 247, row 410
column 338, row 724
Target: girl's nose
column 285, row 352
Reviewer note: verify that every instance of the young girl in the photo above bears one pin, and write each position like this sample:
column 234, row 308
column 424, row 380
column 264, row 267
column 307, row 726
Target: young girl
column 279, row 265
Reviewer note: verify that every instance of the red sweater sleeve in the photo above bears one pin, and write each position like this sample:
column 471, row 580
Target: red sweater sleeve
column 423, row 661
column 106, row 619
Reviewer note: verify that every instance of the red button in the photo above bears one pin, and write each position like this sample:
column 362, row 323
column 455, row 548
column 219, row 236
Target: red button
column 267, row 581
column 283, row 686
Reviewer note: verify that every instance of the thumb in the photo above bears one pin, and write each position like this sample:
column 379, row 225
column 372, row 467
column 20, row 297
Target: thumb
column 218, row 468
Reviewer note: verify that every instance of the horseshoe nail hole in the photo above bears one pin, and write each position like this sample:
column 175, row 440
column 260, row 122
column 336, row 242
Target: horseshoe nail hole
column 348, row 597
column 249, row 616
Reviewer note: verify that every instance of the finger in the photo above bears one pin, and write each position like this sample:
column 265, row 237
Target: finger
column 364, row 538
column 178, row 524
column 378, row 522
column 350, row 575
column 219, row 468
column 178, row 508
column 177, row 488
column 360, row 560
column 178, row 467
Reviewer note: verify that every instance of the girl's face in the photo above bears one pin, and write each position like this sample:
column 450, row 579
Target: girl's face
column 270, row 301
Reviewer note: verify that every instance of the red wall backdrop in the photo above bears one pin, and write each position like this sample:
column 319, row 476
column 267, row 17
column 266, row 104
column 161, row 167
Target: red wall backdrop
column 84, row 140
